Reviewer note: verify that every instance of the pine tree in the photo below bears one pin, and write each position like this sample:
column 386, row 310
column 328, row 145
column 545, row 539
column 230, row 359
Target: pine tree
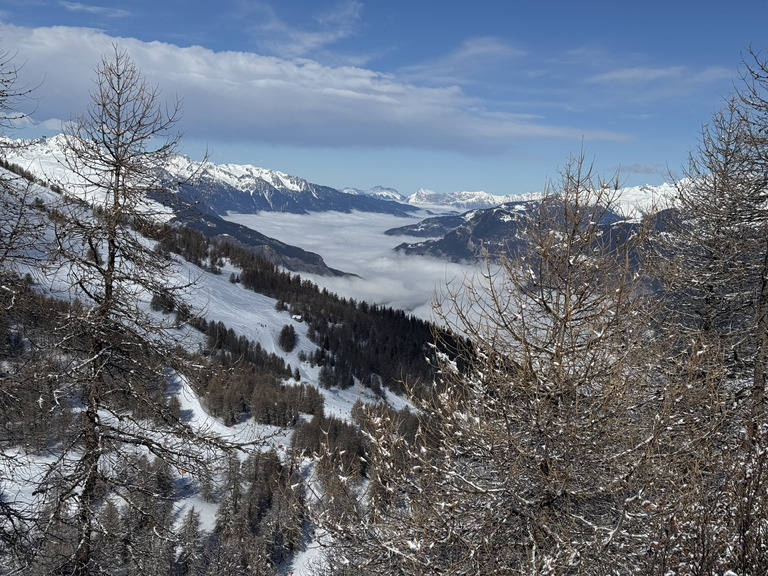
column 287, row 338
column 189, row 560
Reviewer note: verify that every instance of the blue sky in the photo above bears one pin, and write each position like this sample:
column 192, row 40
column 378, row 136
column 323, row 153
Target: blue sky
column 447, row 95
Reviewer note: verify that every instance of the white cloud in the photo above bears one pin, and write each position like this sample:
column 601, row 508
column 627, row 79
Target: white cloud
column 237, row 95
column 637, row 74
column 643, row 84
column 55, row 124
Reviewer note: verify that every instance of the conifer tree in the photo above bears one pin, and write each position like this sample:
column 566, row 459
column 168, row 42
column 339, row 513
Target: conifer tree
column 189, row 560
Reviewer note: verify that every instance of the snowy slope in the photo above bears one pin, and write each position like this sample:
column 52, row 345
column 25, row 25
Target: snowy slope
column 243, row 177
column 636, row 199
column 44, row 158
column 254, row 316
column 251, row 315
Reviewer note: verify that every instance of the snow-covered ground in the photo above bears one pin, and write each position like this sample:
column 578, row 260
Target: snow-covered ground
column 251, row 315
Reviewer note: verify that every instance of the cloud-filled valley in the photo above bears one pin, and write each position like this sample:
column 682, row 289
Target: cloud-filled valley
column 355, row 243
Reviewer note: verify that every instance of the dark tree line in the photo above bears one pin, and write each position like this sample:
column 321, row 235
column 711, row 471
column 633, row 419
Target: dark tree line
column 356, row 339
column 237, row 392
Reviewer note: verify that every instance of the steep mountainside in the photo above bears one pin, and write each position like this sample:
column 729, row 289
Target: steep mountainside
column 222, row 188
column 265, row 360
column 198, row 193
column 492, row 230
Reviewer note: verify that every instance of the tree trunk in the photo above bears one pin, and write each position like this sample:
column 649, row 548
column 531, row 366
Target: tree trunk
column 89, row 463
column 757, row 394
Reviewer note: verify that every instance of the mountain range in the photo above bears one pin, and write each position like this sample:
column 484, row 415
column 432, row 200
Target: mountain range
column 428, row 199
column 489, row 233
column 463, row 200
column 200, row 195
column 469, row 236
column 222, row 188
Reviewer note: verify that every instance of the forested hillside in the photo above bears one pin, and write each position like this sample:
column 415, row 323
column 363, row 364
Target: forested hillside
column 594, row 404
column 100, row 445
column 377, row 345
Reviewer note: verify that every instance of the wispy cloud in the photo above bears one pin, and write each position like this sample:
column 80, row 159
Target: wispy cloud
column 650, row 84
column 473, row 59
column 285, row 40
column 636, row 75
column 108, row 11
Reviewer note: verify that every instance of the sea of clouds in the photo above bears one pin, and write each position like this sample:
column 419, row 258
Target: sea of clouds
column 355, row 243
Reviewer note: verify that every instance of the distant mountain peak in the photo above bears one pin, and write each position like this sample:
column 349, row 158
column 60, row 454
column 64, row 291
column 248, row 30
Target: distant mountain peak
column 380, row 192
column 248, row 189
column 463, row 200
column 242, row 177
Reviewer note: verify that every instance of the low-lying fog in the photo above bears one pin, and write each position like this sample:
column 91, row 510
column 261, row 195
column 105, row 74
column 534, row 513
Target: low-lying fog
column 356, row 243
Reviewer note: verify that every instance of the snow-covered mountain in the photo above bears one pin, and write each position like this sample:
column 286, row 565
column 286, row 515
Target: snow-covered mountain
column 631, row 199
column 473, row 234
column 240, row 188
column 222, row 188
column 461, row 200
column 467, row 237
column 216, row 190
column 196, row 205
column 381, row 192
